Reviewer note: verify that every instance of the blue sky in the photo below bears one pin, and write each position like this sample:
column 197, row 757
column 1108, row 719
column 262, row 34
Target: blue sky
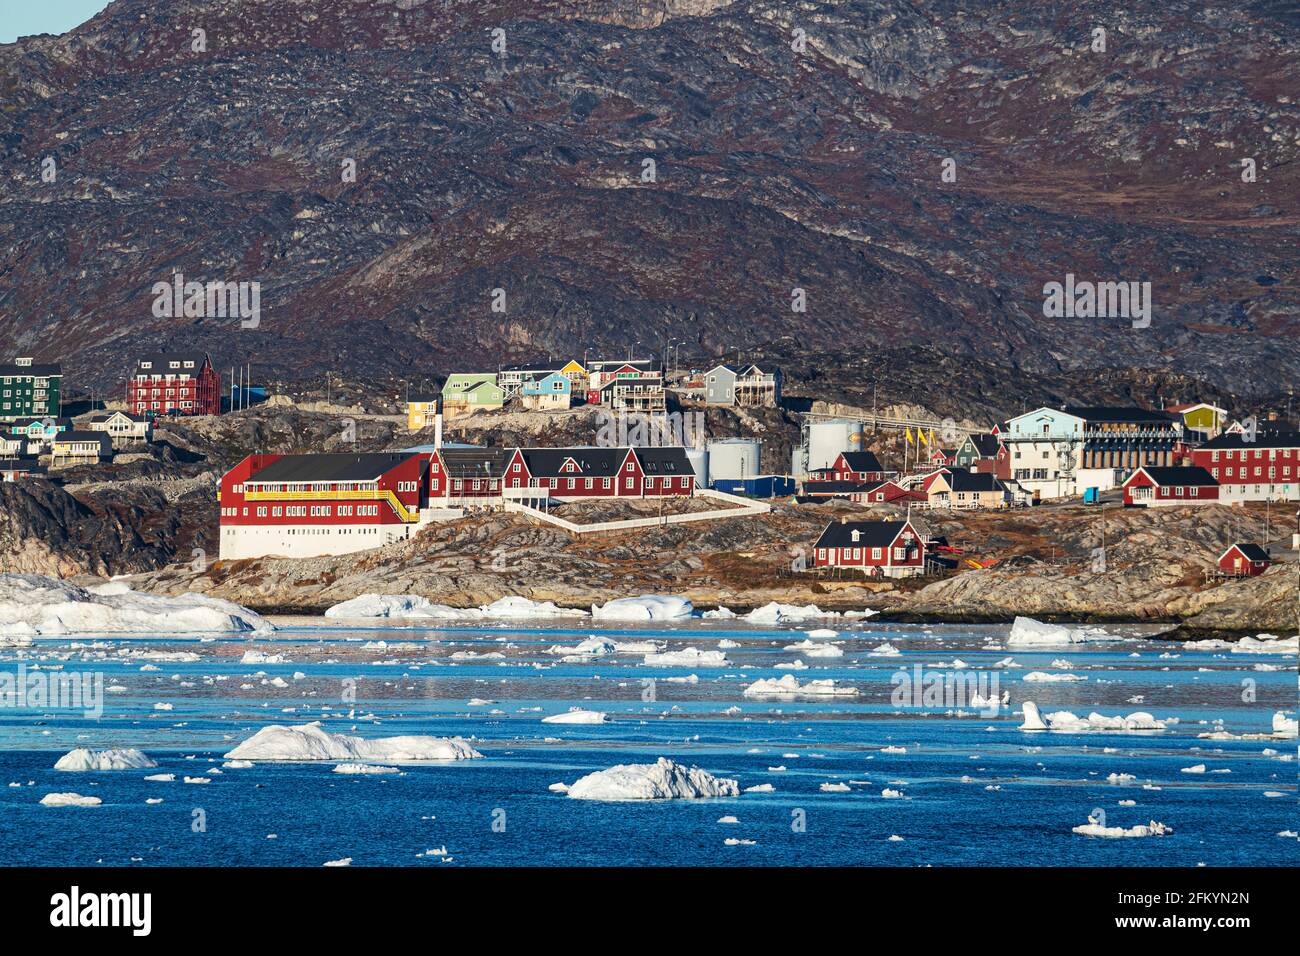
column 20, row 18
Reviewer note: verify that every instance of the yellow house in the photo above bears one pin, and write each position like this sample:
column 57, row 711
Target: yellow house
column 577, row 375
column 1202, row 417
column 421, row 411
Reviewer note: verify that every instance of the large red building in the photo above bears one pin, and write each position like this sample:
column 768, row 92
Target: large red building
column 174, row 383
column 877, row 548
column 309, row 505
column 1262, row 467
column 1158, row 486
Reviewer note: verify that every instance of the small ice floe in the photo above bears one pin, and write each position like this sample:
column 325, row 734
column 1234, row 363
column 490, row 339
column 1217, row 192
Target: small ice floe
column 197, row 780
column 1284, row 726
column 1095, row 829
column 1275, row 793
column 363, row 768
column 727, row 644
column 1197, row 768
column 1043, row 677
column 411, row 606
column 734, row 841
column 588, row 650
column 69, row 800
column 305, row 742
column 1064, row 720
column 884, row 650
column 1027, row 632
column 776, row 613
column 1120, row 778
column 811, row 648
column 835, row 788
column 728, row 819
column 823, row 632
column 161, row 778
column 661, row 780
column 788, row 686
column 120, row 759
column 891, row 749
column 760, row 788
column 687, row 657
column 576, row 715
column 895, row 838
column 262, row 657
column 795, row 665
column 647, row 607
column 345, row 861
column 558, row 788
column 719, row 614
column 162, row 705
column 153, row 800
column 889, row 794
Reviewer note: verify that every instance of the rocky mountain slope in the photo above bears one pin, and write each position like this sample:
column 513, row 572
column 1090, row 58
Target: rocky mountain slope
column 796, row 146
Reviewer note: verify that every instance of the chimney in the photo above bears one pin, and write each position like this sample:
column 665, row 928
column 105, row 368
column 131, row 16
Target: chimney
column 844, row 519
column 437, row 428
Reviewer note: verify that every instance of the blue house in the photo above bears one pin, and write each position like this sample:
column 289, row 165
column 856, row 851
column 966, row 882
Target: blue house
column 550, row 392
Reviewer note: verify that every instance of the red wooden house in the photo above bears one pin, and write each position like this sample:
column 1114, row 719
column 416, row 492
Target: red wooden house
column 1243, row 560
column 1179, row 485
column 878, row 548
column 888, row 492
column 174, row 383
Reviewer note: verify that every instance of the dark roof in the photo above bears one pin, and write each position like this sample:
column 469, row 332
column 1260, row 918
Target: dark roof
column 863, row 461
column 13, row 369
column 664, row 461
column 62, row 438
column 160, row 362
column 1263, row 439
column 985, row 445
column 107, row 415
column 871, row 534
column 1252, row 552
column 837, row 487
column 592, row 462
column 474, row 462
column 423, row 397
column 1108, row 413
column 645, row 364
column 331, row 467
column 18, row 423
column 20, row 464
column 960, row 480
column 1179, row 475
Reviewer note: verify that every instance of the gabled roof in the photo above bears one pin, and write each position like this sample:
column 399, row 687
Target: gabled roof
column 725, row 366
column 664, row 461
column 14, row 370
column 592, row 462
column 871, row 534
column 986, row 446
column 1186, row 407
column 1263, row 439
column 643, row 364
column 474, row 462
column 329, row 467
column 1177, row 475
column 959, row 480
column 23, row 423
column 1251, row 552
column 862, row 460
column 1119, row 415
column 99, row 438
column 836, row 487
column 160, row 362
column 108, row 416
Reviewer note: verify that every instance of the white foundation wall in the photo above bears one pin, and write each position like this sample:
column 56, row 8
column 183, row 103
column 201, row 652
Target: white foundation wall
column 305, row 541
column 1277, row 491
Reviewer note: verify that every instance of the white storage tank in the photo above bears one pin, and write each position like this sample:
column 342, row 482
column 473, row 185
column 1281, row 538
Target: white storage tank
column 699, row 459
column 734, row 458
column 827, row 439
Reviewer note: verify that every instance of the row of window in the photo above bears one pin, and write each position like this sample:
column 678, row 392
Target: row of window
column 1245, row 453
column 1259, row 472
column 855, row 554
column 304, row 511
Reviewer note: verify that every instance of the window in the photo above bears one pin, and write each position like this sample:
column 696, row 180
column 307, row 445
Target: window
column 627, row 483
column 877, row 554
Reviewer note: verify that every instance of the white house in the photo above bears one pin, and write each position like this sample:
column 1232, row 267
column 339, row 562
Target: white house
column 122, row 428
column 1043, row 449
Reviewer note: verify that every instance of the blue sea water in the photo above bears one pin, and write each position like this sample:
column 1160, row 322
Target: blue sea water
column 976, row 789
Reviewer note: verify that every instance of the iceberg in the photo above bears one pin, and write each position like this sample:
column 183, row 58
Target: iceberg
column 69, row 800
column 1046, row 678
column 812, row 648
column 35, row 605
column 310, row 742
column 1026, row 632
column 788, row 686
column 1064, row 720
column 415, row 607
column 578, row 716
column 687, row 657
column 661, row 780
column 778, row 613
column 647, row 607
column 84, row 759
column 1284, row 726
column 1141, row 830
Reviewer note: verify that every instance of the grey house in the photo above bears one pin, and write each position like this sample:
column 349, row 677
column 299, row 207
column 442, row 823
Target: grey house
column 749, row 386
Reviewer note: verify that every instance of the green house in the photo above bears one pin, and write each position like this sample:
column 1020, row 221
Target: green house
column 28, row 390
column 470, row 391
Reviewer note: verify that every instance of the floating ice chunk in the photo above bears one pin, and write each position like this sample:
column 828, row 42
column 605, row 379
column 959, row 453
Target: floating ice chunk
column 1064, row 720
column 719, row 614
column 788, row 686
column 1196, row 768
column 1027, row 632
column 814, row 649
column 261, row 657
column 69, row 800
column 647, row 607
column 889, row 794
column 32, row 604
column 345, row 861
column 1141, row 830
column 385, row 605
column 884, row 650
column 161, row 777
column 735, row 841
column 661, row 780
column 522, row 608
column 592, row 647
column 311, row 742
column 119, row 759
column 823, row 632
column 760, row 788
column 728, row 819
column 1033, row 720
column 1284, row 726
column 835, row 788
column 1120, row 778
column 687, row 657
column 363, row 768
column 1043, row 677
column 778, row 613
column 576, row 715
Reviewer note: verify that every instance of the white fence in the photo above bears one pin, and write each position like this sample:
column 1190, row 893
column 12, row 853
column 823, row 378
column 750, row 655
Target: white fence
column 744, row 508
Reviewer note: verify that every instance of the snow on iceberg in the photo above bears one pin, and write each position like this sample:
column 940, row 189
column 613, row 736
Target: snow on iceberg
column 577, row 715
column 69, row 800
column 1026, row 632
column 310, row 742
column 788, row 686
column 687, row 657
column 1266, row 644
column 647, row 607
column 1284, row 726
column 810, row 648
column 32, row 604
column 85, row 759
column 1064, row 720
column 413, row 606
column 1141, row 830
column 777, row 613
column 1033, row 719
column 661, row 780
column 522, row 608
